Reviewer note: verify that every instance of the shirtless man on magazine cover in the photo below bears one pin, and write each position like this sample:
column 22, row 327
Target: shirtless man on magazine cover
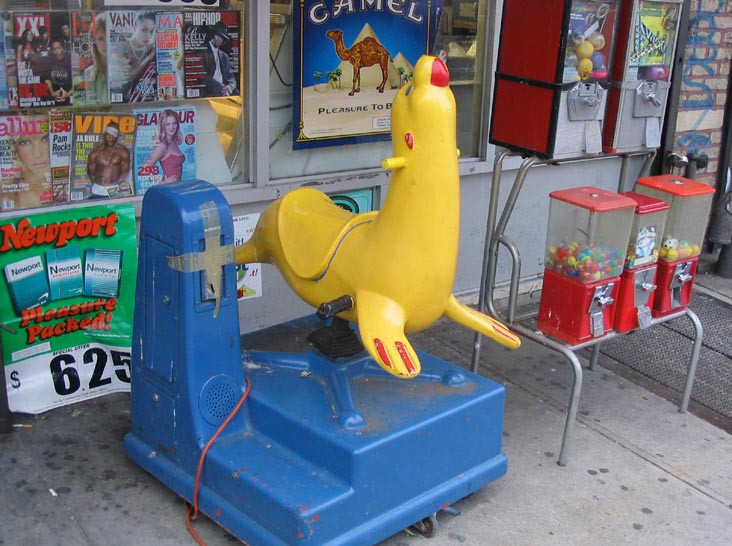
column 108, row 166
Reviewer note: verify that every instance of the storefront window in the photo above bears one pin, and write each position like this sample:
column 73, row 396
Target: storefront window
column 79, row 70
column 311, row 99
column 258, row 136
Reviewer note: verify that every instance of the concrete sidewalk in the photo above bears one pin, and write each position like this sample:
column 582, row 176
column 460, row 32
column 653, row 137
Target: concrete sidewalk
column 639, row 472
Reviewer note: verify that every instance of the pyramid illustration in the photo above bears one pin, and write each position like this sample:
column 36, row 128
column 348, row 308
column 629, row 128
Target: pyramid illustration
column 400, row 61
column 370, row 76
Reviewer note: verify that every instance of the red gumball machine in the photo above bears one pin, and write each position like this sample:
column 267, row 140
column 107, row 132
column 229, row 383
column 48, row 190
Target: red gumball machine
column 551, row 76
column 638, row 281
column 585, row 251
column 690, row 202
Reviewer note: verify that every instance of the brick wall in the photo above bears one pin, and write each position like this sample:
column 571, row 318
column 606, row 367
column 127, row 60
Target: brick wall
column 705, row 78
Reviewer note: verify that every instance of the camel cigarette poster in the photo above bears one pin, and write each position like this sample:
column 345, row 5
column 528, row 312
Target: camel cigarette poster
column 67, row 290
column 350, row 59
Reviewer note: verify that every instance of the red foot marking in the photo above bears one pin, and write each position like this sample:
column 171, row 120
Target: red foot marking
column 382, row 351
column 405, row 356
column 505, row 331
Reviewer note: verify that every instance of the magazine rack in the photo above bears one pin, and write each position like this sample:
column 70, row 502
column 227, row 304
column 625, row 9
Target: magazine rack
column 328, row 451
column 157, row 68
column 525, row 326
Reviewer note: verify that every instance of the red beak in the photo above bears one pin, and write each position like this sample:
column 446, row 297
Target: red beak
column 440, row 74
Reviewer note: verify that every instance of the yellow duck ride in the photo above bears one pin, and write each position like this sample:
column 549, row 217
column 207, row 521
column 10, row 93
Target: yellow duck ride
column 396, row 266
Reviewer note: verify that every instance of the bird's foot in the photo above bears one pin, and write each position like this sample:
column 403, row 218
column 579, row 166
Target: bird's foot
column 397, row 357
column 479, row 322
column 381, row 324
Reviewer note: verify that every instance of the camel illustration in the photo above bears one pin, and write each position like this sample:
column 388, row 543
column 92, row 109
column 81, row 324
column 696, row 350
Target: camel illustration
column 367, row 52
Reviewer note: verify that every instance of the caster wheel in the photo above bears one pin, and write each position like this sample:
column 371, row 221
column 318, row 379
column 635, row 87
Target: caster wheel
column 427, row 527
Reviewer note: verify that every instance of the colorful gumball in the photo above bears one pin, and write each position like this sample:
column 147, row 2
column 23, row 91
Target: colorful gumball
column 657, row 72
column 588, row 262
column 597, row 40
column 598, row 61
column 584, row 68
column 585, row 50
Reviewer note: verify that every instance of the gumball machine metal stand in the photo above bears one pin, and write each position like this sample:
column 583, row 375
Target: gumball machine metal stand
column 690, row 203
column 585, row 250
column 526, row 324
column 637, row 283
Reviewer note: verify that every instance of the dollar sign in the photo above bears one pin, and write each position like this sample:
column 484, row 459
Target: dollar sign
column 14, row 378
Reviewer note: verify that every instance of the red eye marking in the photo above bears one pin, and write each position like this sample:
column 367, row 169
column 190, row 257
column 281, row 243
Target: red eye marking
column 409, row 139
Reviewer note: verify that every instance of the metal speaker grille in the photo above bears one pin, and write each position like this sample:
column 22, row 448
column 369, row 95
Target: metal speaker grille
column 218, row 398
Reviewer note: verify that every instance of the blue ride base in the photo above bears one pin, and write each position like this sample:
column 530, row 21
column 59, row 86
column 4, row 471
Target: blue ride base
column 323, row 452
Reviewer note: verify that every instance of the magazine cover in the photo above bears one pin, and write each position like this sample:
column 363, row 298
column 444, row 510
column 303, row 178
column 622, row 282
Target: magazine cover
column 11, row 66
column 60, row 123
column 169, row 45
column 131, row 56
column 212, row 51
column 89, row 57
column 165, row 146
column 43, row 59
column 349, row 65
column 102, row 148
column 3, row 72
column 25, row 168
column 64, row 343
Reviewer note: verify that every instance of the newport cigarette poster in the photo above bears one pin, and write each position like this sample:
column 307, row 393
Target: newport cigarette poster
column 350, row 59
column 67, row 296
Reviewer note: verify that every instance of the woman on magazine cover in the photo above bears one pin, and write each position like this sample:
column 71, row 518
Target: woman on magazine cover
column 31, row 187
column 139, row 51
column 95, row 74
column 25, row 50
column 168, row 151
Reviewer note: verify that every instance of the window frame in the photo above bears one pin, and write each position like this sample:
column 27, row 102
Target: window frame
column 260, row 187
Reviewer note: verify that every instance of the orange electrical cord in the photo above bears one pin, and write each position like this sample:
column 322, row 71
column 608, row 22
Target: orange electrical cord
column 192, row 511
